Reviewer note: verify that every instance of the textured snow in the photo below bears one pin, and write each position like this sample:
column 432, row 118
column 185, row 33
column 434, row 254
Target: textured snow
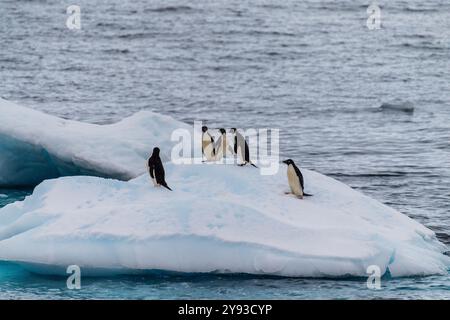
column 219, row 218
column 35, row 146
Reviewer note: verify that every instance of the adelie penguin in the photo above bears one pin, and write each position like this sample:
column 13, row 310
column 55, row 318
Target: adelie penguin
column 208, row 145
column 156, row 169
column 241, row 148
column 295, row 179
column 222, row 147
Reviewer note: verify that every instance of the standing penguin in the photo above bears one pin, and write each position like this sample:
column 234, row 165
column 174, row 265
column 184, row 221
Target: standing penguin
column 208, row 145
column 222, row 146
column 295, row 179
column 156, row 169
column 241, row 148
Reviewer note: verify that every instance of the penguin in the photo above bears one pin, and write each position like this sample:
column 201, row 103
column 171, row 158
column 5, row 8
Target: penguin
column 295, row 179
column 156, row 169
column 241, row 148
column 222, row 147
column 208, row 145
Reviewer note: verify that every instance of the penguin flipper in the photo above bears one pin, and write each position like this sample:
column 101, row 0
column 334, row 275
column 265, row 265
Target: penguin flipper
column 217, row 144
column 253, row 165
column 151, row 171
column 307, row 195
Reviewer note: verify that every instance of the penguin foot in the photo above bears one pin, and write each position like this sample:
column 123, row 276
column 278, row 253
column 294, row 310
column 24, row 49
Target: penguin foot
column 299, row 197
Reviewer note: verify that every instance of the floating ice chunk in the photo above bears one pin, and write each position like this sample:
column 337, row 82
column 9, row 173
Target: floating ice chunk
column 397, row 106
column 35, row 146
column 218, row 219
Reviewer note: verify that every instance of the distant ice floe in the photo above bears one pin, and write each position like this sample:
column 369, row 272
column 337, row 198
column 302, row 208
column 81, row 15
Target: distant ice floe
column 219, row 218
column 35, row 146
column 397, row 106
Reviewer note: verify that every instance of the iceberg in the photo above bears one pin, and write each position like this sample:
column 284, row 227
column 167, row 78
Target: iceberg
column 35, row 146
column 218, row 219
column 96, row 209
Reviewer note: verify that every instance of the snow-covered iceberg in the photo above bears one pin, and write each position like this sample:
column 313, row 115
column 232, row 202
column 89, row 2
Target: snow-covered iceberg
column 219, row 218
column 35, row 146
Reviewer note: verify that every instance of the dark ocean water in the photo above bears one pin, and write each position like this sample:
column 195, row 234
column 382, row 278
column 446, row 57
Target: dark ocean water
column 312, row 69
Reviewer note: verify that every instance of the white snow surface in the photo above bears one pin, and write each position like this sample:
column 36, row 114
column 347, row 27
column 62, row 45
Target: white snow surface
column 219, row 218
column 35, row 146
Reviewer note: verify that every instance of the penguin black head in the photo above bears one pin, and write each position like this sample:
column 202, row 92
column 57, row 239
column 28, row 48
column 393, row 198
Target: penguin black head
column 289, row 161
column 204, row 128
column 233, row 130
column 155, row 151
column 222, row 131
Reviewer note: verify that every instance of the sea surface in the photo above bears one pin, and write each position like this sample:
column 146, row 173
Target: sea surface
column 370, row 108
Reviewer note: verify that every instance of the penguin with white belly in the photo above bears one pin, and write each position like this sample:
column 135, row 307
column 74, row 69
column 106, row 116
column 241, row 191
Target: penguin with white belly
column 241, row 148
column 208, row 145
column 222, row 147
column 295, row 179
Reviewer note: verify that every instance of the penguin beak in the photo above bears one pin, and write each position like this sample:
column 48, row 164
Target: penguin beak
column 285, row 161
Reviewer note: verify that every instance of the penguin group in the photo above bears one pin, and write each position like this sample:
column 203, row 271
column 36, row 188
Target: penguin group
column 216, row 151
